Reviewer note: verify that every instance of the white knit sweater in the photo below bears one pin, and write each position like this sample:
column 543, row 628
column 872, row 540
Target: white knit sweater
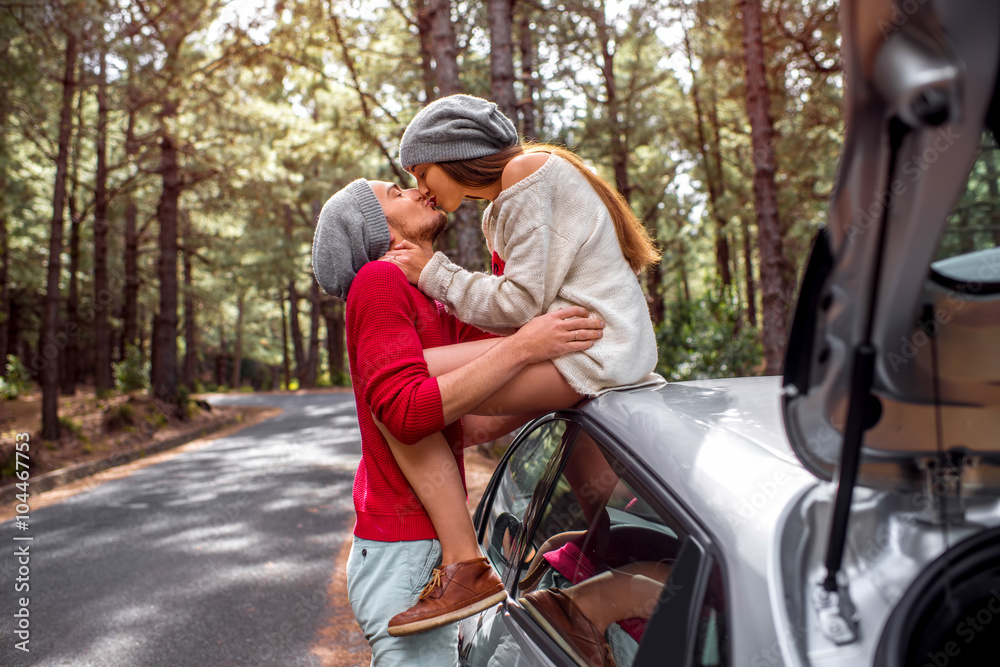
column 560, row 249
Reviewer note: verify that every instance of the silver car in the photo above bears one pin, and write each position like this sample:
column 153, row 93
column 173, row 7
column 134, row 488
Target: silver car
column 847, row 513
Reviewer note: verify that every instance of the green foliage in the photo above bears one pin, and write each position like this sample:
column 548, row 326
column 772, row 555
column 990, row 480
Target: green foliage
column 975, row 221
column 132, row 373
column 186, row 407
column 339, row 379
column 126, row 413
column 277, row 114
column 9, row 466
column 73, row 427
column 342, row 379
column 156, row 420
column 17, row 381
column 703, row 339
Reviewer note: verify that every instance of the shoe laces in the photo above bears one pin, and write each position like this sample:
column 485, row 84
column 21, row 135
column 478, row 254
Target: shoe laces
column 432, row 584
column 608, row 655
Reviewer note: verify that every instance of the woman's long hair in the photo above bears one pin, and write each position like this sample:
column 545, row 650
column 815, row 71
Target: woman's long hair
column 636, row 244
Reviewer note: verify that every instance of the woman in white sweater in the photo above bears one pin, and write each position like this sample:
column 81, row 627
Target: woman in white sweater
column 559, row 236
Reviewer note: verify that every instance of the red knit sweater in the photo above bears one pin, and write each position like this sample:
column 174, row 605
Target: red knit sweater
column 389, row 323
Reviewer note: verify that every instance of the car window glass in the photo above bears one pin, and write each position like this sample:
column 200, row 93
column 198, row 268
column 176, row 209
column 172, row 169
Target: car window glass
column 518, row 478
column 974, row 223
column 711, row 647
column 599, row 553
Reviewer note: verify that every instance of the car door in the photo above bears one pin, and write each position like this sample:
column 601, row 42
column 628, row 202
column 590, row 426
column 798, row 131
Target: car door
column 489, row 639
column 568, row 513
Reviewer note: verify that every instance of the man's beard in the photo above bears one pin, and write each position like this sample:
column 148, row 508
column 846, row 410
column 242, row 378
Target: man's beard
column 429, row 233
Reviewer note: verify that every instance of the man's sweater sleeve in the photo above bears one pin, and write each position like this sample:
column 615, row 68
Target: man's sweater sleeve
column 390, row 359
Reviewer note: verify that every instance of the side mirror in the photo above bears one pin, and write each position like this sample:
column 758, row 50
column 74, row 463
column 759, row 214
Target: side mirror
column 506, row 531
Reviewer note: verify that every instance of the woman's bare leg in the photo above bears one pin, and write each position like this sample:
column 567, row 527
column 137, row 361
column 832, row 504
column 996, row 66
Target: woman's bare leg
column 630, row 591
column 539, row 387
column 590, row 476
column 430, row 468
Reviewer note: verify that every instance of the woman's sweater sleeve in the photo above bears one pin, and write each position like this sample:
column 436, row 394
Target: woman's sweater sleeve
column 536, row 263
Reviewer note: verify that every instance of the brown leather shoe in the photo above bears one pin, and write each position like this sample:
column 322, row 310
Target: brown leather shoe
column 569, row 626
column 454, row 592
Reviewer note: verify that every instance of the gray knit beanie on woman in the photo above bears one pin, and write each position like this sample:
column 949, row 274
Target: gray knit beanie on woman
column 457, row 127
column 352, row 231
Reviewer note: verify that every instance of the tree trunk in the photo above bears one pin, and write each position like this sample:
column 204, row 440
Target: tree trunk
column 654, row 276
column 130, row 334
column 220, row 357
column 526, row 105
column 748, row 264
column 284, row 343
column 334, row 317
column 468, row 237
column 15, row 344
column 4, row 287
column 102, row 295
column 70, row 356
column 5, row 310
column 426, row 52
column 618, row 142
column 68, row 348
column 220, row 369
column 130, row 316
column 713, row 179
column 464, row 223
column 312, row 361
column 500, row 15
column 444, row 47
column 315, row 315
column 190, row 331
column 141, row 334
column 296, row 331
column 238, row 345
column 682, row 253
column 773, row 276
column 164, row 366
column 49, row 345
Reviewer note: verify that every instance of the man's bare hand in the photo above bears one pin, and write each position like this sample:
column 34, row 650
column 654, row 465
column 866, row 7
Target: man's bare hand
column 559, row 332
column 409, row 257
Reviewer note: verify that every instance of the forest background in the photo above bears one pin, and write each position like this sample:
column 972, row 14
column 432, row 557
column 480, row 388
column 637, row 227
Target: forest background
column 163, row 164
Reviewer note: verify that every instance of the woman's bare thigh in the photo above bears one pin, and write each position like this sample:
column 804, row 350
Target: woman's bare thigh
column 537, row 388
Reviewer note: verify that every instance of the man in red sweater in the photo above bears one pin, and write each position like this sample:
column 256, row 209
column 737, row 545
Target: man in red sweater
column 389, row 324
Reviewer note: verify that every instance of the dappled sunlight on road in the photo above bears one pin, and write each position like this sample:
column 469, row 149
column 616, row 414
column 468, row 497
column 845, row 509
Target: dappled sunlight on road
column 222, row 556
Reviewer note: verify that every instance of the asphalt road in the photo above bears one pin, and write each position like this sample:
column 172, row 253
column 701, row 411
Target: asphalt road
column 218, row 556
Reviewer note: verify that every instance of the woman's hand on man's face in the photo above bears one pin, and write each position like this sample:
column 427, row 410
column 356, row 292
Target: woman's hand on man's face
column 409, row 257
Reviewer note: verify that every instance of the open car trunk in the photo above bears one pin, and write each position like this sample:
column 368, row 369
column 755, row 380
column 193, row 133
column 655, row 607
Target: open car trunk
column 908, row 269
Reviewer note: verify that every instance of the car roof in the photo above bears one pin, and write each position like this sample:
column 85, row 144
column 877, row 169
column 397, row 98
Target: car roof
column 747, row 409
column 716, row 444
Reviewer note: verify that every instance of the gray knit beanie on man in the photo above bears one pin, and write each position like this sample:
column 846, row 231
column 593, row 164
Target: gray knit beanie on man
column 352, row 231
column 457, row 127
